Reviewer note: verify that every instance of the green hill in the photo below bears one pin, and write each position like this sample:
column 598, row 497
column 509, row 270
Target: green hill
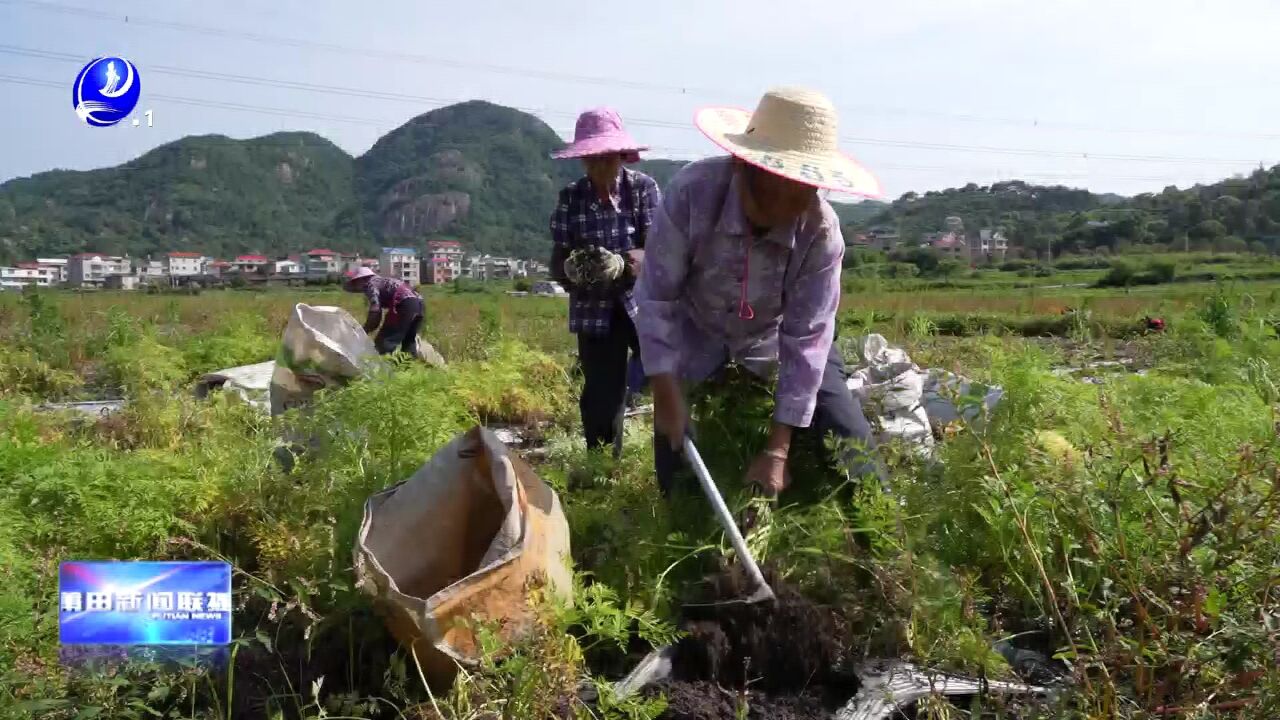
column 210, row 193
column 1231, row 215
column 475, row 171
column 482, row 173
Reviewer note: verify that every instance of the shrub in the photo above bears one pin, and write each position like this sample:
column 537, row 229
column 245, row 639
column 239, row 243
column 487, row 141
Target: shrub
column 23, row 373
column 1121, row 274
column 1162, row 271
column 1016, row 265
column 1077, row 262
column 900, row 270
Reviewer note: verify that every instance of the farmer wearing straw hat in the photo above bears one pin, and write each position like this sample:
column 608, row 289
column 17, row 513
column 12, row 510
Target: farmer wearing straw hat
column 402, row 304
column 743, row 265
column 598, row 228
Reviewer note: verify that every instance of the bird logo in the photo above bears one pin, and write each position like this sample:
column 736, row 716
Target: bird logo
column 106, row 91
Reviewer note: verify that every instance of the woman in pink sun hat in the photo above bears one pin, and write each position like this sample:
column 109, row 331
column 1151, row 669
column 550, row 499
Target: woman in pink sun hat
column 598, row 230
column 401, row 303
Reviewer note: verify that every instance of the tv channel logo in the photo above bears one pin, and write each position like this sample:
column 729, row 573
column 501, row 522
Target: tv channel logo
column 106, row 91
column 144, row 603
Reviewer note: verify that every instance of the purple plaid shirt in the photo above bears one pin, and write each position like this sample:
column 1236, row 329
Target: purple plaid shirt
column 580, row 219
column 703, row 259
column 385, row 293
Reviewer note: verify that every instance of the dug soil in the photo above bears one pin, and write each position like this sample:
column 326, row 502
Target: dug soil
column 785, row 659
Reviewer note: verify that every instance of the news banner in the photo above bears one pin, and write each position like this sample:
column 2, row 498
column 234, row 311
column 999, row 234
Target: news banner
column 145, row 609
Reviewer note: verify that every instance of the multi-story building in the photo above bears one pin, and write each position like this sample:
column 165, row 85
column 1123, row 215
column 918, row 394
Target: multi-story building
column 178, row 264
column 487, row 267
column 321, row 262
column 18, row 277
column 288, row 266
column 46, row 276
column 950, row 244
column 443, row 262
column 121, row 282
column 92, row 269
column 401, row 263
column 55, row 268
column 992, row 246
column 150, row 271
column 884, row 239
column 250, row 263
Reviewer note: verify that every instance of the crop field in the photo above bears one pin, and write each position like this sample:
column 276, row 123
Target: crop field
column 1123, row 530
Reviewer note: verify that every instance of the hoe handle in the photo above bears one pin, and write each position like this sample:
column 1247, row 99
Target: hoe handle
column 762, row 591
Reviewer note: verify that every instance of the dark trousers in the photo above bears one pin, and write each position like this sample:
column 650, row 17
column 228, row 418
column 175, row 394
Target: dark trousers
column 604, row 368
column 402, row 334
column 838, row 412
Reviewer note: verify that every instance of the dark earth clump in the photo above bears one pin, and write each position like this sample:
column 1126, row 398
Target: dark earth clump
column 788, row 655
column 707, row 701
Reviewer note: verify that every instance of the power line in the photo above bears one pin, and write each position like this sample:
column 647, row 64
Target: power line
column 277, row 40
column 198, row 102
column 642, row 122
column 694, row 154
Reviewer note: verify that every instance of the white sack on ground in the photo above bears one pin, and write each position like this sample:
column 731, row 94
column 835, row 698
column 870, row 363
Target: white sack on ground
column 906, row 402
column 427, row 353
column 251, row 382
column 320, row 340
column 940, row 389
column 891, row 389
column 462, row 540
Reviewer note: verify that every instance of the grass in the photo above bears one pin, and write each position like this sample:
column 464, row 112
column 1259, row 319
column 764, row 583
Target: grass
column 1128, row 528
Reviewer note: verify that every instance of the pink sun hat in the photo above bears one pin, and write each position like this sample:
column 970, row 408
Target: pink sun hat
column 599, row 132
column 354, row 275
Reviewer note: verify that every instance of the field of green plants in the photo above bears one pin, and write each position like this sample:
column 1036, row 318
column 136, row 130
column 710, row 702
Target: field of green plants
column 1126, row 527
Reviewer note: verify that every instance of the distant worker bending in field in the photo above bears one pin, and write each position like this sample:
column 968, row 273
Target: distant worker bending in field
column 598, row 229
column 743, row 264
column 401, row 303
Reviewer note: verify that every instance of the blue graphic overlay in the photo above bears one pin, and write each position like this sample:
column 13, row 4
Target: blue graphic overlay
column 106, row 91
column 144, row 603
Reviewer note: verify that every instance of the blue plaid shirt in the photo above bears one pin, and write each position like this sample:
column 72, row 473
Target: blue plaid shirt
column 581, row 219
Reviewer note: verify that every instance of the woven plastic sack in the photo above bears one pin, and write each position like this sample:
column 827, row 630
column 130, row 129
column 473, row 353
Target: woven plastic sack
column 892, row 387
column 321, row 341
column 427, row 353
column 463, row 540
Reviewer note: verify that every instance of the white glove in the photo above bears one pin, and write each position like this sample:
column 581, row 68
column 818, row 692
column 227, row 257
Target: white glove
column 593, row 267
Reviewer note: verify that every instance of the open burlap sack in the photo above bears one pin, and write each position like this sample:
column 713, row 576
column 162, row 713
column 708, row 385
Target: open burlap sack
column 462, row 541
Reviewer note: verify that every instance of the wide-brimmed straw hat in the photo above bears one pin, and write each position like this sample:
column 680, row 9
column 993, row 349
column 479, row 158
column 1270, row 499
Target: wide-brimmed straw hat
column 793, row 133
column 599, row 132
column 354, row 275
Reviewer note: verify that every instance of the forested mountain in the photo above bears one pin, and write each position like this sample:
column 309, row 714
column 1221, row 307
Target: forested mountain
column 482, row 173
column 1229, row 215
column 473, row 171
column 477, row 171
column 270, row 194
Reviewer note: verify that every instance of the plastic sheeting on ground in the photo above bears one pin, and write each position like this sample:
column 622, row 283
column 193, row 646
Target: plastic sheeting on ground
column 890, row 687
column 251, row 382
column 908, row 403
column 459, row 542
column 92, row 408
column 885, row 687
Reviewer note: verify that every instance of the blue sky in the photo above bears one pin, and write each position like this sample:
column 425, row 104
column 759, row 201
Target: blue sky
column 1116, row 96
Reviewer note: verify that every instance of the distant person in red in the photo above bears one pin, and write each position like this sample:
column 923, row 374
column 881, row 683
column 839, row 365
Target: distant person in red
column 401, row 303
